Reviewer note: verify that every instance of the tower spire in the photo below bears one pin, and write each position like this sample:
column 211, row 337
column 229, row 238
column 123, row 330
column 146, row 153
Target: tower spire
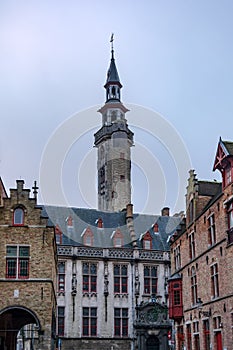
column 113, row 84
column 113, row 140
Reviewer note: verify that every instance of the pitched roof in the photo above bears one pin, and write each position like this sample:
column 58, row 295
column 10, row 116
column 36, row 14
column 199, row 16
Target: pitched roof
column 87, row 218
column 229, row 147
column 209, row 188
column 224, row 150
column 112, row 74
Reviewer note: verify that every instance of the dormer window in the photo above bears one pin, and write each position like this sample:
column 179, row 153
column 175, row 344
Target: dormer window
column 69, row 221
column 18, row 217
column 88, row 237
column 58, row 234
column 88, row 240
column 147, row 241
column 117, row 239
column 146, row 244
column 100, row 223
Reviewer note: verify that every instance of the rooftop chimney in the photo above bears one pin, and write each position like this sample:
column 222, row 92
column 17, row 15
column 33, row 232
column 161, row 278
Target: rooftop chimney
column 165, row 211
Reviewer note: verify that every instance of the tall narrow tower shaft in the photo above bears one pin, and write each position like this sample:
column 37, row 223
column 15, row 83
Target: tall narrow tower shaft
column 113, row 141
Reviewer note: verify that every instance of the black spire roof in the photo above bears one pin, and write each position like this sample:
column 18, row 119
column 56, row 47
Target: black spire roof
column 112, row 75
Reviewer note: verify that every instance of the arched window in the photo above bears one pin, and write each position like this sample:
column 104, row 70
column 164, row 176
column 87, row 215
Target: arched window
column 194, row 286
column 18, row 218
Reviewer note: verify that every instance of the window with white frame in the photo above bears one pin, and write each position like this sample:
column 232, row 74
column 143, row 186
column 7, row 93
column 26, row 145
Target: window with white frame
column 121, row 322
column 150, row 279
column 177, row 258
column 61, row 276
column 18, row 216
column 193, row 286
column 17, row 261
column 120, row 272
column 214, row 280
column 89, row 277
column 89, row 321
column 211, row 230
column 191, row 245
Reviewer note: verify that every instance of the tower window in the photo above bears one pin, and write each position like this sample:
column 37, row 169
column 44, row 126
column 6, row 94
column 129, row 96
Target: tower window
column 18, row 218
column 113, row 91
column 122, row 178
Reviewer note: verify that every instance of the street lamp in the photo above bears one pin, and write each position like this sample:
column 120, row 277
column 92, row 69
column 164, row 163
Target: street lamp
column 200, row 306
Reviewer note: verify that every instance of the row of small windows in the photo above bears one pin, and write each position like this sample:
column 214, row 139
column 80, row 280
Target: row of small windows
column 120, row 278
column 211, row 237
column 214, row 283
column 195, row 331
column 89, row 321
column 117, row 237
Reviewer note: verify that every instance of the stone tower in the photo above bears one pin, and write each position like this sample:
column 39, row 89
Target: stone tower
column 113, row 141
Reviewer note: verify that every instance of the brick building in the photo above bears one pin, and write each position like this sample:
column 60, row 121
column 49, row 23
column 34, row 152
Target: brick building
column 27, row 272
column 201, row 284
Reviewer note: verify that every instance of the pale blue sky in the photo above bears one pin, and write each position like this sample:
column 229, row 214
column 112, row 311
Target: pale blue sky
column 174, row 57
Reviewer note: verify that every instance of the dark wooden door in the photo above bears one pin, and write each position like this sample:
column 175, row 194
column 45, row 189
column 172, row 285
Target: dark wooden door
column 152, row 343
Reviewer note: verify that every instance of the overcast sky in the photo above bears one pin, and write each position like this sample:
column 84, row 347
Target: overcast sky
column 173, row 57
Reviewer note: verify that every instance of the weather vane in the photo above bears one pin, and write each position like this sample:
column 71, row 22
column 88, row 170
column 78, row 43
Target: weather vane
column 111, row 41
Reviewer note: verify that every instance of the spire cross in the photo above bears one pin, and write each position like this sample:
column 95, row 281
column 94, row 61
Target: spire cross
column 111, row 41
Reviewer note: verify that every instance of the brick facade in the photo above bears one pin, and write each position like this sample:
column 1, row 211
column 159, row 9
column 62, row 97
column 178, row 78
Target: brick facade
column 204, row 267
column 30, row 297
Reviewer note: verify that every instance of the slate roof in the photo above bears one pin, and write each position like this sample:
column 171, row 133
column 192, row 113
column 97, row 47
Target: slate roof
column 83, row 218
column 229, row 147
column 112, row 74
column 209, row 188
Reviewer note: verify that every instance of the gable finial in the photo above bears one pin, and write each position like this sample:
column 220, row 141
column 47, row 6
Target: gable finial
column 35, row 189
